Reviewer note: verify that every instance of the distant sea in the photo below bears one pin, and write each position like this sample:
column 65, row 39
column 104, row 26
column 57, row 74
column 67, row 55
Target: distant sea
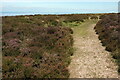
column 38, row 13
column 34, row 8
column 45, row 13
column 34, row 13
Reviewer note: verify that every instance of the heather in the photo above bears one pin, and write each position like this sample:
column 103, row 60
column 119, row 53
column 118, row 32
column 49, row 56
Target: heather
column 38, row 46
column 108, row 29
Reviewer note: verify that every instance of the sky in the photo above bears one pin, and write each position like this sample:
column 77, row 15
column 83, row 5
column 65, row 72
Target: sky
column 60, row 6
column 60, row 0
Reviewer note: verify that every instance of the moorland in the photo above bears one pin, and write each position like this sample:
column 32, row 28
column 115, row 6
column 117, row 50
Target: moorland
column 48, row 46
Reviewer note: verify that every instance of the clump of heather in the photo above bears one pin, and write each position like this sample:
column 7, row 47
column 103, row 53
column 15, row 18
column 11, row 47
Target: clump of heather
column 36, row 47
column 108, row 29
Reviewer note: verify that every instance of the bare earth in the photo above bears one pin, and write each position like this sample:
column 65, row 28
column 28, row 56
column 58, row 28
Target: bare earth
column 90, row 60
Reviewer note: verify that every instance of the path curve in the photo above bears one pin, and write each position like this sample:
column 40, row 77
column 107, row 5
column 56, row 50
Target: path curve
column 90, row 60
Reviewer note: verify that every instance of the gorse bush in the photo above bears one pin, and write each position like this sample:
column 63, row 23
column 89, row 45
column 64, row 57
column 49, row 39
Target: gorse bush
column 108, row 29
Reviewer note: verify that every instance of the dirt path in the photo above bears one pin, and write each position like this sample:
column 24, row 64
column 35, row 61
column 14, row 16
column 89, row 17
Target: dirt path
column 90, row 60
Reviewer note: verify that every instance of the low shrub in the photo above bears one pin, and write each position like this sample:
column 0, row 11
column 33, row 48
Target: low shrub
column 108, row 30
column 32, row 51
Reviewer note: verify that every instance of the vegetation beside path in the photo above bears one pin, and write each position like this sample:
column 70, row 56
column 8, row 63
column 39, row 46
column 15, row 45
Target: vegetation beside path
column 40, row 46
column 90, row 59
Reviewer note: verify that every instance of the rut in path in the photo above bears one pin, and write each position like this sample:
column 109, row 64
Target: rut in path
column 90, row 60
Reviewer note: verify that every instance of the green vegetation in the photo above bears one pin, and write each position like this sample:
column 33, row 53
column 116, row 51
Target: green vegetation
column 39, row 46
column 80, row 28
